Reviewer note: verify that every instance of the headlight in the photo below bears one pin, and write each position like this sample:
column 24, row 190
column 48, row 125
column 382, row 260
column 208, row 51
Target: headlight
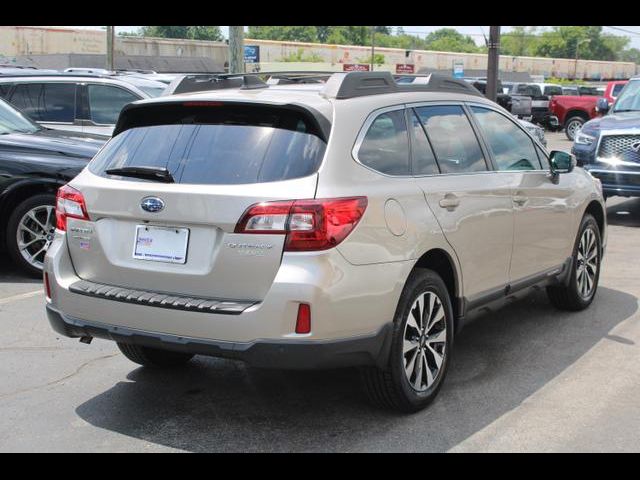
column 584, row 139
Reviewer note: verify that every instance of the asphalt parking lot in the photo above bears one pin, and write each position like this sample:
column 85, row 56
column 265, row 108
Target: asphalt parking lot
column 529, row 378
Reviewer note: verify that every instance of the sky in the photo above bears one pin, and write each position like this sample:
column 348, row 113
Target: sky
column 476, row 32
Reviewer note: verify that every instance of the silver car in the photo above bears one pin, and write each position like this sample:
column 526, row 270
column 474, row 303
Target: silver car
column 353, row 223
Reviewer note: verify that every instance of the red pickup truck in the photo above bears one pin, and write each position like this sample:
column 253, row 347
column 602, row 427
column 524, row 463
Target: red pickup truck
column 573, row 111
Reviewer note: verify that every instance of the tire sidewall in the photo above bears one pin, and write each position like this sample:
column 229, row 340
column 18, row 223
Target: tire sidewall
column 12, row 226
column 420, row 282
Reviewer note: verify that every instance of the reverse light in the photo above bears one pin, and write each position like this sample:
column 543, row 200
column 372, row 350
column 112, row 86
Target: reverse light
column 69, row 204
column 309, row 225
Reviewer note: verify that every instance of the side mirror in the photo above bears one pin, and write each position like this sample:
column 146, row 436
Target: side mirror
column 602, row 105
column 561, row 162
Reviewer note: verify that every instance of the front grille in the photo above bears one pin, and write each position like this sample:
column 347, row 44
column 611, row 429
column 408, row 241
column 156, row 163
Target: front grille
column 620, row 147
column 157, row 299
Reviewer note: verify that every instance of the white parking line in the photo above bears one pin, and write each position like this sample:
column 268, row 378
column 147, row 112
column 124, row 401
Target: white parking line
column 20, row 297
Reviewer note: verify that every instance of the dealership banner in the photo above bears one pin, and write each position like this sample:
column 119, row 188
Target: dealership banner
column 405, row 68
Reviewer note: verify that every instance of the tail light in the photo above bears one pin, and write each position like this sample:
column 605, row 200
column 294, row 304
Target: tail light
column 69, row 204
column 310, row 225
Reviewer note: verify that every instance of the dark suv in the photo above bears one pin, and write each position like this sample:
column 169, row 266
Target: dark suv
column 609, row 146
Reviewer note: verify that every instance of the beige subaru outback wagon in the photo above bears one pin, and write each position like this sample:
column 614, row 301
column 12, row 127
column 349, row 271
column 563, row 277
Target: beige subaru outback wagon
column 350, row 222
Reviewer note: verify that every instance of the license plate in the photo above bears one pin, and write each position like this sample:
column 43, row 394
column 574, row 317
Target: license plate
column 161, row 244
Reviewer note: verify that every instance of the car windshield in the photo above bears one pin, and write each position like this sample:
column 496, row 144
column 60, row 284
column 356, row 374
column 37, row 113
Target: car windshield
column 629, row 99
column 13, row 121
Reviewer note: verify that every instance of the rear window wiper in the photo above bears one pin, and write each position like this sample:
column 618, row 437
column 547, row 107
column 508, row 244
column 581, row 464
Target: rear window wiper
column 147, row 173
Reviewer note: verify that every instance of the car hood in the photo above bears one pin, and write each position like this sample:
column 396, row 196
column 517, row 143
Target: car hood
column 614, row 121
column 71, row 144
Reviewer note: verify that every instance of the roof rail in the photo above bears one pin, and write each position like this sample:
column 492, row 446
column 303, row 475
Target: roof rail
column 360, row 84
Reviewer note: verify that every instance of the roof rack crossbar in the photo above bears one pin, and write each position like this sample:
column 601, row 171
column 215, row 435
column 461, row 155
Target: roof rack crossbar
column 359, row 84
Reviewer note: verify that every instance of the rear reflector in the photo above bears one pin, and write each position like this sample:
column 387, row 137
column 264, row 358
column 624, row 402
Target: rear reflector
column 47, row 287
column 310, row 225
column 303, row 322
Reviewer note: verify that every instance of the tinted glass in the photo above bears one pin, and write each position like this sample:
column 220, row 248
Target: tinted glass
column 454, row 142
column 543, row 158
column 616, row 89
column 553, row 90
column 215, row 154
column 511, row 147
column 12, row 121
column 106, row 102
column 424, row 161
column 46, row 102
column 4, row 90
column 385, row 147
column 629, row 98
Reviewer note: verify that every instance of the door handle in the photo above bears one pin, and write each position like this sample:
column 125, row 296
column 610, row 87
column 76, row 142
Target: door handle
column 520, row 200
column 450, row 202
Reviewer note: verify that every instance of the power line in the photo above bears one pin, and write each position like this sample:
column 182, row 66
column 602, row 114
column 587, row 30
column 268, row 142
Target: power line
column 625, row 30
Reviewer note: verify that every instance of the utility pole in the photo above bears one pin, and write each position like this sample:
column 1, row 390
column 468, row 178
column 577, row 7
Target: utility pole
column 236, row 49
column 493, row 63
column 373, row 43
column 110, row 47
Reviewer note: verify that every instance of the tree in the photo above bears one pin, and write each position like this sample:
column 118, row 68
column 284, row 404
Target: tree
column 450, row 40
column 562, row 42
column 520, row 41
column 185, row 32
column 630, row 55
column 286, row 33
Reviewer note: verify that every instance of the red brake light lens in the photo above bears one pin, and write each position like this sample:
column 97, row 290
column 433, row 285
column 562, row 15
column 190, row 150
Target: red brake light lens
column 69, row 203
column 303, row 322
column 310, row 225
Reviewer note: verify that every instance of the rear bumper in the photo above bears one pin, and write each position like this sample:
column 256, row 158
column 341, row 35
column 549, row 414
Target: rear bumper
column 290, row 354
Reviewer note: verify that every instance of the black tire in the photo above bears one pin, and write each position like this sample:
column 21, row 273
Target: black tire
column 152, row 357
column 45, row 199
column 572, row 125
column 389, row 387
column 569, row 297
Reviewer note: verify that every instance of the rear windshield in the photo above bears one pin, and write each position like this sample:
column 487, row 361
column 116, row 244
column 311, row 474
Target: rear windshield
column 223, row 148
column 553, row 90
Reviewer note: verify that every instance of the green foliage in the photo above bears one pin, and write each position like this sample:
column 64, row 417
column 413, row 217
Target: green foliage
column 565, row 81
column 450, row 40
column 564, row 41
column 521, row 41
column 378, row 59
column 184, row 32
column 299, row 56
column 285, row 33
column 630, row 55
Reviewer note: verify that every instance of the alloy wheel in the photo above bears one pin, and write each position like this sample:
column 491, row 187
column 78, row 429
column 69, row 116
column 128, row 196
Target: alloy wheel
column 35, row 233
column 587, row 263
column 424, row 341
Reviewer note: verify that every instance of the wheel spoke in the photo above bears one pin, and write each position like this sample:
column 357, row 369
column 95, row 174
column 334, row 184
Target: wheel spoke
column 436, row 356
column 411, row 322
column 427, row 370
column 33, row 217
column 438, row 337
column 436, row 318
column 408, row 345
column 417, row 382
column 24, row 227
column 22, row 245
column 418, row 311
column 410, row 366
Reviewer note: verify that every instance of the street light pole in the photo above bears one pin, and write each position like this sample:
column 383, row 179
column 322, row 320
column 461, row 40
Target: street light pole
column 110, row 47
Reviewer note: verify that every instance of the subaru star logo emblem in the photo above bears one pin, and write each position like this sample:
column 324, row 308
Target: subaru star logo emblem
column 152, row 204
column 635, row 146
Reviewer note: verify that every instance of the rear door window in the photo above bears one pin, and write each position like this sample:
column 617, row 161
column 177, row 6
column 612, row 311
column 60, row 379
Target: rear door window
column 454, row 141
column 233, row 148
column 106, row 102
column 46, row 102
column 385, row 147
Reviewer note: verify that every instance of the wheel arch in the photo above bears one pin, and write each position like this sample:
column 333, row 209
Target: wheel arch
column 443, row 263
column 595, row 209
column 21, row 191
column 575, row 113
